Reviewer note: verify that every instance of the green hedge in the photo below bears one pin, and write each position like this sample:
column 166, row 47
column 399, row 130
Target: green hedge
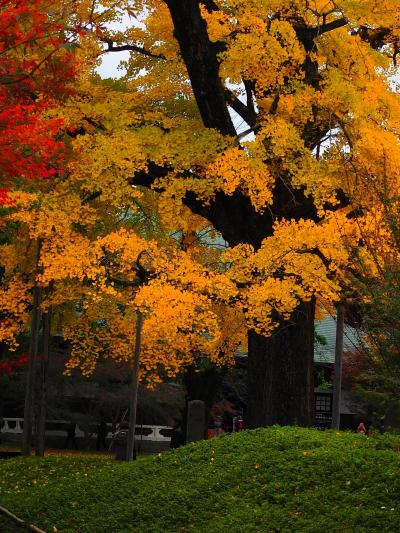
column 266, row 480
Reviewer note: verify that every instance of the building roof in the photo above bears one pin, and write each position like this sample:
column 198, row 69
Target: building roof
column 326, row 328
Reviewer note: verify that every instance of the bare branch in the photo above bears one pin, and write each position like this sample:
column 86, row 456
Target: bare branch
column 131, row 48
column 244, row 133
column 306, row 34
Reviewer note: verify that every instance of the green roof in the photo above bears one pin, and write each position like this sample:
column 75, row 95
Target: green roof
column 325, row 353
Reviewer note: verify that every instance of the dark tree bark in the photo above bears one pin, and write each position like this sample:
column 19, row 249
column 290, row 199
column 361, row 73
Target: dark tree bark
column 280, row 372
column 30, row 375
column 29, row 405
column 42, row 387
column 337, row 373
column 280, row 367
column 199, row 55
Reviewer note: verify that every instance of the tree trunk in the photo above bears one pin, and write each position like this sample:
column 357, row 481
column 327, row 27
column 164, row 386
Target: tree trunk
column 280, row 367
column 44, row 369
column 201, row 60
column 280, row 373
column 30, row 374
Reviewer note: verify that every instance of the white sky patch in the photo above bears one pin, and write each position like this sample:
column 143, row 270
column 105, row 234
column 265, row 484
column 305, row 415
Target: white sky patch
column 110, row 65
column 240, row 124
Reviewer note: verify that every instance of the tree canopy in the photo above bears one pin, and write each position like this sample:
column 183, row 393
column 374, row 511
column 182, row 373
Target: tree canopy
column 276, row 123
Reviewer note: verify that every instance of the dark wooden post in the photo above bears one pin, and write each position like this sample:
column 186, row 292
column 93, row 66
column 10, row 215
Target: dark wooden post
column 337, row 382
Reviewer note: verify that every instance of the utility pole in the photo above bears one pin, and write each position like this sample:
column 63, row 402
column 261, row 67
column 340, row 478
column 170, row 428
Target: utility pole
column 143, row 275
column 337, row 382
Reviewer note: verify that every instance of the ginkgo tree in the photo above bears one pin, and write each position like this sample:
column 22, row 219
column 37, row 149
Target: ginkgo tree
column 85, row 266
column 312, row 82
column 250, row 291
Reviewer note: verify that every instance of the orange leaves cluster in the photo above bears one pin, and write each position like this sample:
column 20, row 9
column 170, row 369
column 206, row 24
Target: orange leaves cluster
column 183, row 320
column 259, row 48
column 237, row 170
column 302, row 260
column 14, row 302
column 339, row 131
column 266, row 55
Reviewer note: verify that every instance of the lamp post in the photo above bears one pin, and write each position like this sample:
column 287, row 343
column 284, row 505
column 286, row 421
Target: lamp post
column 143, row 275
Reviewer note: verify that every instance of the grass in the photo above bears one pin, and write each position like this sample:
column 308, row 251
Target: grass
column 267, row 480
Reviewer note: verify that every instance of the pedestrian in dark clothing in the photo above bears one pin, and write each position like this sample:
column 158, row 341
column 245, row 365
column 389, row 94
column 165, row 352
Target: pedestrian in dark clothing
column 71, row 439
column 102, row 432
column 177, row 438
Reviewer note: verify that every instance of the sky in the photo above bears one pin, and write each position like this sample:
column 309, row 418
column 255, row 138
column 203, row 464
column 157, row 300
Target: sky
column 111, row 60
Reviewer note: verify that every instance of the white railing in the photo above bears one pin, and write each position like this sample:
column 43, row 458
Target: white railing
column 58, row 428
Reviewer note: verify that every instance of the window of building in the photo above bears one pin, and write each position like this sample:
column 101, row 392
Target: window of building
column 323, row 403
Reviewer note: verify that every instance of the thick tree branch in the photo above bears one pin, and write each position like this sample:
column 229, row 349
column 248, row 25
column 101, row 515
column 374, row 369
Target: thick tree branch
column 317, row 252
column 249, row 88
column 244, row 133
column 111, row 47
column 376, row 37
column 200, row 57
column 146, row 178
column 234, row 215
column 307, row 35
column 244, row 111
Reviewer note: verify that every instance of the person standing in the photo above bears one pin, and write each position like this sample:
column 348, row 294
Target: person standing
column 102, row 432
column 177, row 438
column 71, row 438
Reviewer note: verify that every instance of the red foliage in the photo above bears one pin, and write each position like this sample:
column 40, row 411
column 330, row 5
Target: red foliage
column 4, row 198
column 29, row 145
column 33, row 62
column 354, row 364
column 9, row 366
column 32, row 57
